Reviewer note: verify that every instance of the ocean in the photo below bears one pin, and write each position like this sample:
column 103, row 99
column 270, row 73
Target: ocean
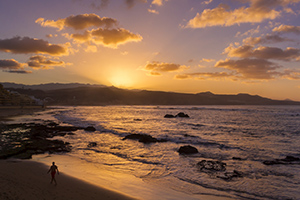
column 239, row 137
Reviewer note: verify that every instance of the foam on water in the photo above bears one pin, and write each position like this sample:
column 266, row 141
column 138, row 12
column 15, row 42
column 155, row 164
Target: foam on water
column 251, row 134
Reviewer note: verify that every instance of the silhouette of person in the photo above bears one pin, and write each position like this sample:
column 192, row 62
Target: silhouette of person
column 53, row 169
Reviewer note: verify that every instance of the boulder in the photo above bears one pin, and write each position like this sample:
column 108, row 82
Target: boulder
column 141, row 138
column 92, row 144
column 169, row 116
column 211, row 165
column 187, row 149
column 230, row 175
column 90, row 129
column 285, row 161
column 181, row 114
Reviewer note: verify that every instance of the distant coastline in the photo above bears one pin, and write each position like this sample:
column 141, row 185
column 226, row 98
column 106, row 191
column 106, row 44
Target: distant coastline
column 75, row 94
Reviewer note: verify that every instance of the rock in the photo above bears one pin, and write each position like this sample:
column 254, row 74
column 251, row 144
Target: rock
column 285, row 161
column 230, row 175
column 187, row 149
column 169, row 116
column 181, row 114
column 90, row 129
column 236, row 158
column 211, row 165
column 141, row 138
column 92, row 144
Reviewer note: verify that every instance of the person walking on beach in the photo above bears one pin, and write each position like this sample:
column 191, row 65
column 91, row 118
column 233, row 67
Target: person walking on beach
column 53, row 169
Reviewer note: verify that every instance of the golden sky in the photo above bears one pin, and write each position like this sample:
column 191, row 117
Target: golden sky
column 226, row 47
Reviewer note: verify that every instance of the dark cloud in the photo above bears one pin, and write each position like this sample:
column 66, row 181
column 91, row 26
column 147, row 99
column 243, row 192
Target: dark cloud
column 267, row 39
column 10, row 64
column 248, row 51
column 18, row 71
column 106, row 37
column 30, row 45
column 78, row 22
column 251, row 68
column 42, row 62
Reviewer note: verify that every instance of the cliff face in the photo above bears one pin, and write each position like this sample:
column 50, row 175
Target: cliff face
column 94, row 96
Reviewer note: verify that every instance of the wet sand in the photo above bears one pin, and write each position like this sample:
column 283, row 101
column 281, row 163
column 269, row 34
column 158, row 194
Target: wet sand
column 21, row 179
column 6, row 112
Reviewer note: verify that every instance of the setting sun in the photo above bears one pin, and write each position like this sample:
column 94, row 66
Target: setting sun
column 121, row 79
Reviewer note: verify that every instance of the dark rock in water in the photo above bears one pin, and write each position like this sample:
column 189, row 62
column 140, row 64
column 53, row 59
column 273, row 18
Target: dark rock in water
column 181, row 114
column 211, row 165
column 52, row 124
column 230, row 175
column 90, row 129
column 237, row 158
column 285, row 161
column 92, row 144
column 187, row 149
column 141, row 138
column 169, row 116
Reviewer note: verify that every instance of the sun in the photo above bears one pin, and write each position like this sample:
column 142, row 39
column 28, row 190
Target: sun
column 121, row 79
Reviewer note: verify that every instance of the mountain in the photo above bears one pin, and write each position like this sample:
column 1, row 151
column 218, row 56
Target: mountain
column 48, row 86
column 93, row 96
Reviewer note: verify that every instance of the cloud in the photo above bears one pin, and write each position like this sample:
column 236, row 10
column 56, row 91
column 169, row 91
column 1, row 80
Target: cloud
column 158, row 2
column 13, row 66
column 203, row 75
column 207, row 2
column 42, row 62
column 266, row 39
column 156, row 68
column 106, row 37
column 262, row 52
column 250, row 68
column 207, row 60
column 287, row 29
column 153, row 11
column 291, row 74
column 10, row 64
column 30, row 45
column 78, row 22
column 258, row 11
column 19, row 71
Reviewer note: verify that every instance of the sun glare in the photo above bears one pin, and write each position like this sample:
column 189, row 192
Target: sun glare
column 121, row 79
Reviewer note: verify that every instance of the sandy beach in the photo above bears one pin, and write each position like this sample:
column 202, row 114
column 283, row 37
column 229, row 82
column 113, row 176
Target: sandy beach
column 22, row 179
column 7, row 112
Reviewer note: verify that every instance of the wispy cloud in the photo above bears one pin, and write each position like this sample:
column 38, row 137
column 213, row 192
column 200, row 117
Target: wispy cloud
column 156, row 68
column 257, row 11
column 42, row 62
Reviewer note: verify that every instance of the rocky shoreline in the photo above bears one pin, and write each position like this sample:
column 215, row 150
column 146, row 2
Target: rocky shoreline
column 23, row 140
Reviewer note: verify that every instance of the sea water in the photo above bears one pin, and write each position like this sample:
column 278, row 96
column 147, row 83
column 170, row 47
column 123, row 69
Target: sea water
column 240, row 136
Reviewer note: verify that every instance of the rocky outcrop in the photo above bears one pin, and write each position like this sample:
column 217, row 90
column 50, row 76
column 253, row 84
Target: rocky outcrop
column 285, row 161
column 90, row 129
column 143, row 138
column 181, row 114
column 25, row 139
column 211, row 165
column 92, row 144
column 187, row 149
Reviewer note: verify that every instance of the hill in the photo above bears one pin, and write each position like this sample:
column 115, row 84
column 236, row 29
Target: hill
column 100, row 95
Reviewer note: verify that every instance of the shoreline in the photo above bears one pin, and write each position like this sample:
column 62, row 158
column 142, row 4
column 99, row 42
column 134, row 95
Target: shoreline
column 7, row 112
column 96, row 179
column 27, row 179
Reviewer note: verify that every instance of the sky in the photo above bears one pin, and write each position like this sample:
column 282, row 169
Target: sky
column 189, row 46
